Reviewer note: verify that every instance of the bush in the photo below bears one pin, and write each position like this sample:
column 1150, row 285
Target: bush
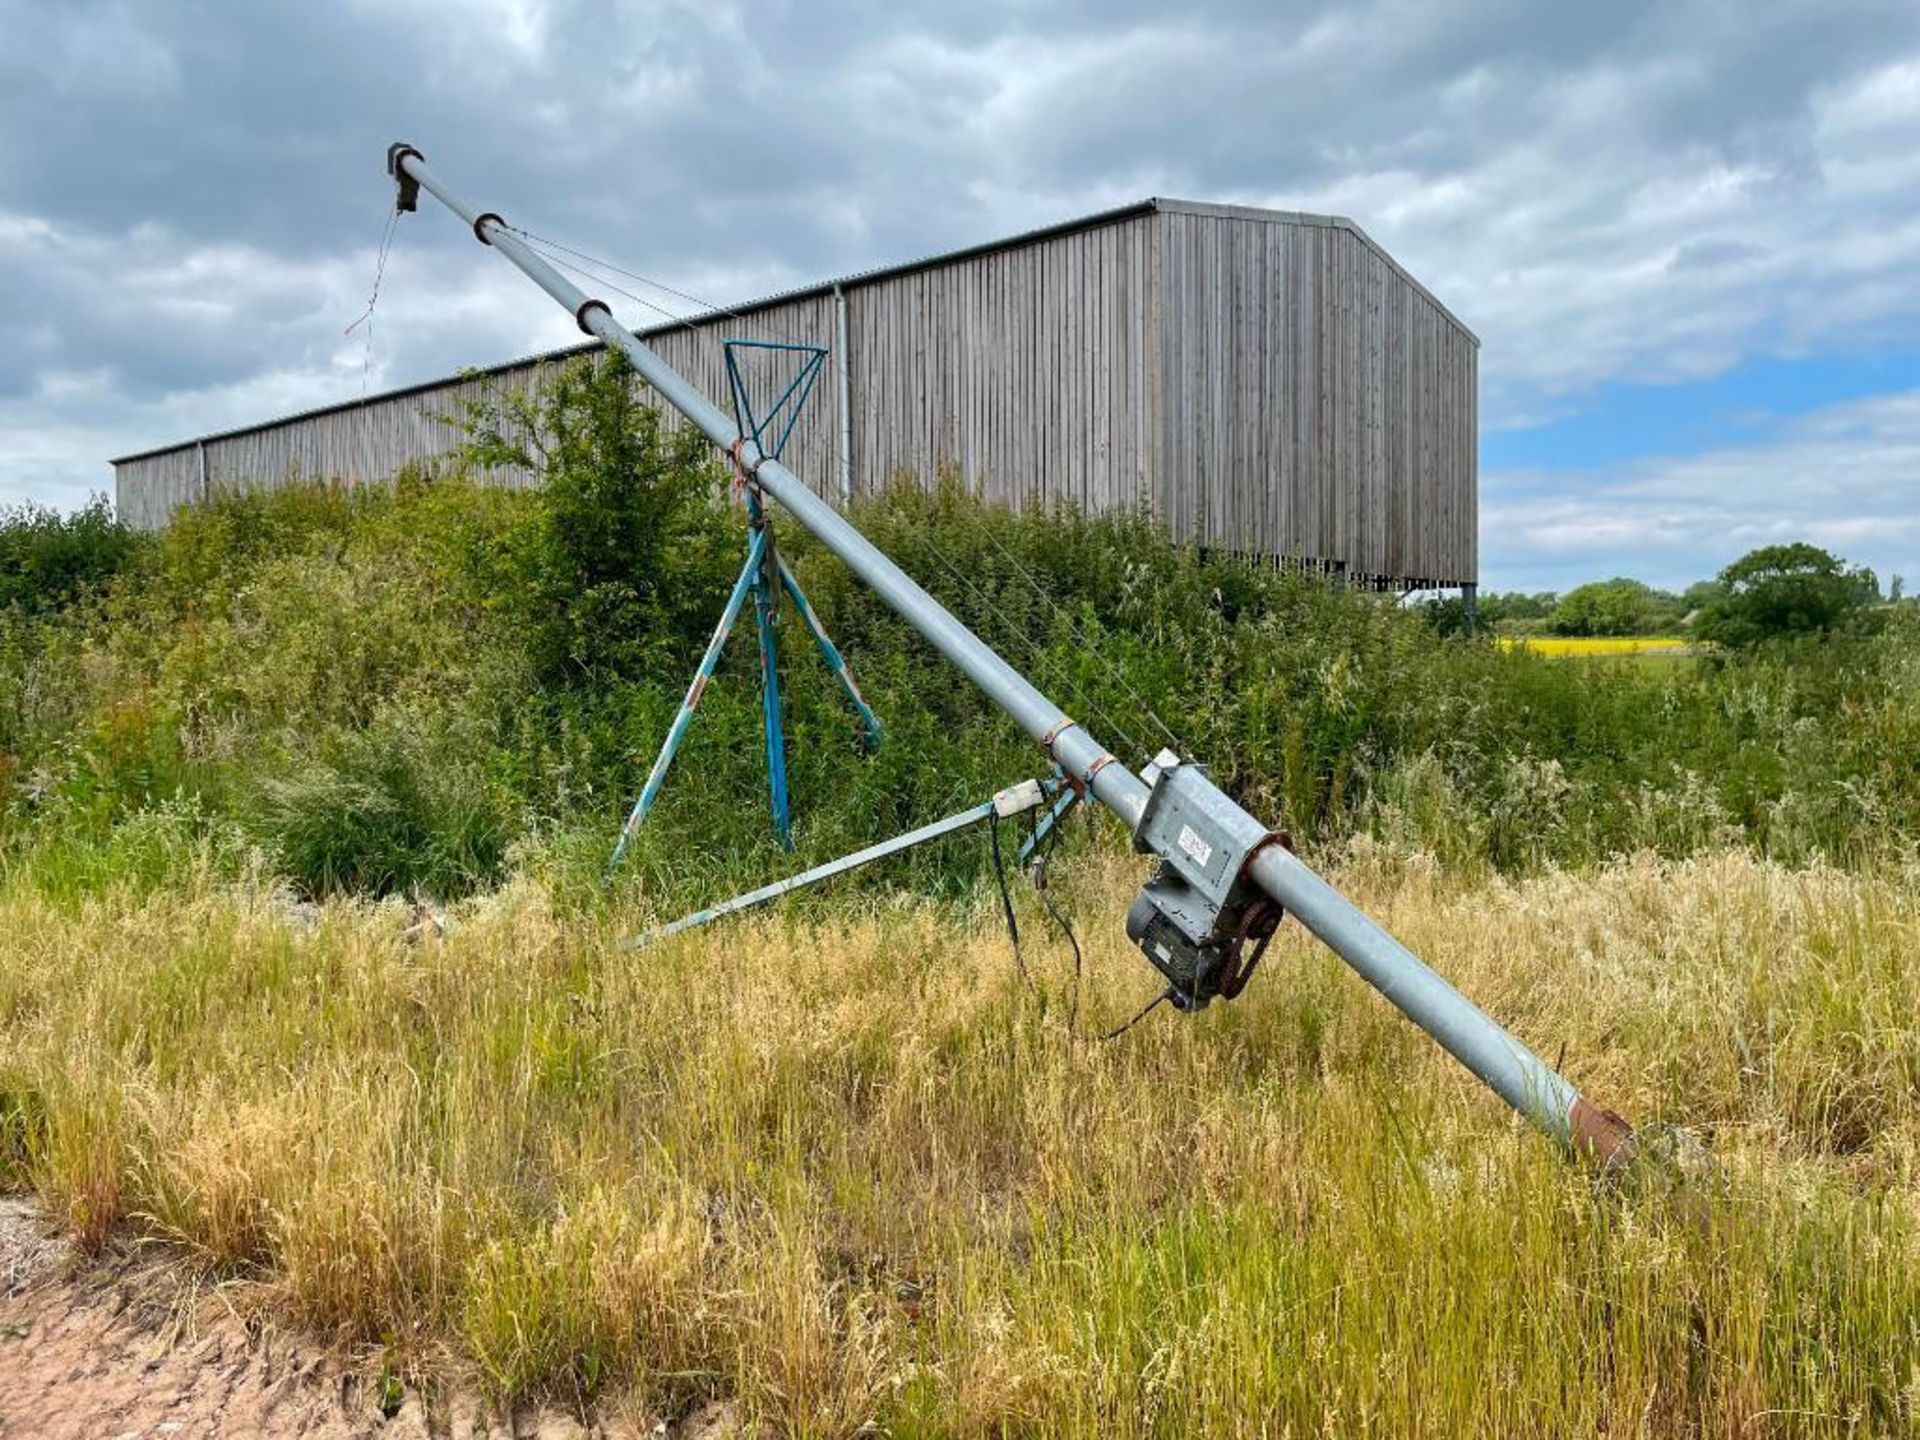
column 629, row 542
column 387, row 688
column 48, row 561
column 1615, row 607
column 395, row 809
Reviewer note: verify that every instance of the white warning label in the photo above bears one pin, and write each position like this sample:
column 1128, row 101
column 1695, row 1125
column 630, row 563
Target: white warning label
column 1191, row 842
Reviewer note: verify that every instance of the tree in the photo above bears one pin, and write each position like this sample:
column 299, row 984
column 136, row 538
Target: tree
column 1614, row 607
column 1517, row 605
column 630, row 552
column 1787, row 590
column 1699, row 595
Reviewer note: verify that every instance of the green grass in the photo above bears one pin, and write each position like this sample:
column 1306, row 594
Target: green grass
column 837, row 1164
column 855, row 1174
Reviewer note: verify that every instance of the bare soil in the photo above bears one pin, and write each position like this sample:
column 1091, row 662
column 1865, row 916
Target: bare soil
column 131, row 1345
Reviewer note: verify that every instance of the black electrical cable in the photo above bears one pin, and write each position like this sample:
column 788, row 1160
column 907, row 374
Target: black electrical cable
column 1006, row 898
column 1013, row 927
column 1145, row 1010
column 1066, row 929
column 1046, row 899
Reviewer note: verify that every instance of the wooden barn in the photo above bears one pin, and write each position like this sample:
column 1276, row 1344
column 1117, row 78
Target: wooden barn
column 1268, row 383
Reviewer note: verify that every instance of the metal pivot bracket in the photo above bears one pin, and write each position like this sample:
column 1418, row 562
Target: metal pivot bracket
column 406, row 197
column 1195, row 917
column 769, row 431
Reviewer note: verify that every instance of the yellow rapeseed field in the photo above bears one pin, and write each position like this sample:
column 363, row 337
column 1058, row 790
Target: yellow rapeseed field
column 856, row 1175
column 1601, row 645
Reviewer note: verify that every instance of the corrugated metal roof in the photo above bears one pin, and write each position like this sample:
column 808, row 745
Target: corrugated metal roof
column 826, row 287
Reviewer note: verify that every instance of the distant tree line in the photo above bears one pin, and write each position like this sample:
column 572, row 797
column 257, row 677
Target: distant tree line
column 1774, row 592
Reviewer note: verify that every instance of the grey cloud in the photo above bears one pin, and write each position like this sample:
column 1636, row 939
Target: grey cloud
column 1650, row 190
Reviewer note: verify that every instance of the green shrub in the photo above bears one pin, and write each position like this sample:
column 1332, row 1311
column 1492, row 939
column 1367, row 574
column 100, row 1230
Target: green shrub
column 49, row 561
column 629, row 542
column 1615, row 607
column 395, row 808
column 394, row 687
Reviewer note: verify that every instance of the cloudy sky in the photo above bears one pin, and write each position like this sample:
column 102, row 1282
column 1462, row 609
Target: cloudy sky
column 1688, row 235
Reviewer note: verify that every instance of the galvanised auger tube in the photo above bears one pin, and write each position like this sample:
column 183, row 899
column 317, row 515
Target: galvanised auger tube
column 1224, row 878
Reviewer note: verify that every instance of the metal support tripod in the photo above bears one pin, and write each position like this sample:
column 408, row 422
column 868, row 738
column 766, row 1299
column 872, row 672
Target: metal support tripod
column 763, row 576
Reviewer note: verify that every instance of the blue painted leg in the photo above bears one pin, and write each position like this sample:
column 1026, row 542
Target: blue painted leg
column 750, row 578
column 836, row 662
column 766, row 597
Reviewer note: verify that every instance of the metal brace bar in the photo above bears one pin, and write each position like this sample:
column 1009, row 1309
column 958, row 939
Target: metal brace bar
column 836, row 662
column 766, row 597
column 1067, row 799
column 1014, row 800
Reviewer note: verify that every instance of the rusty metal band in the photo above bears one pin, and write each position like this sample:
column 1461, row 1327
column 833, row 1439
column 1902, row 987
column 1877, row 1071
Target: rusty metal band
column 1281, row 838
column 1598, row 1133
column 738, row 451
column 1060, row 727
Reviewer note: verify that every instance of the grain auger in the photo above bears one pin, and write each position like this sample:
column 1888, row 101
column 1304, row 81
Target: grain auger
column 1224, row 878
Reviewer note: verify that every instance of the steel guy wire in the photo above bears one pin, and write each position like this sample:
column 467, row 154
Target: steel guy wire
column 373, row 297
column 600, row 280
column 1059, row 669
column 1112, row 670
column 1040, row 656
column 654, row 305
column 712, row 307
column 1033, row 646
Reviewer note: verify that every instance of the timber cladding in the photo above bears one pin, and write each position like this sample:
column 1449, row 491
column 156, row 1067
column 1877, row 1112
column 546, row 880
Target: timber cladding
column 1265, row 382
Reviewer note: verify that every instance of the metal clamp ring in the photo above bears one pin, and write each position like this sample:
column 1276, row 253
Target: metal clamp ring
column 480, row 225
column 1281, row 838
column 586, row 306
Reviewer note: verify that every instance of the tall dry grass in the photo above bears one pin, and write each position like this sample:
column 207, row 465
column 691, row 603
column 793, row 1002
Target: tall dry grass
column 857, row 1173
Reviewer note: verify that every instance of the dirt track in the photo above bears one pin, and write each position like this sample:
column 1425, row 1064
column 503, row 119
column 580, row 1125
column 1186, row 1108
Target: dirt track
column 121, row 1349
